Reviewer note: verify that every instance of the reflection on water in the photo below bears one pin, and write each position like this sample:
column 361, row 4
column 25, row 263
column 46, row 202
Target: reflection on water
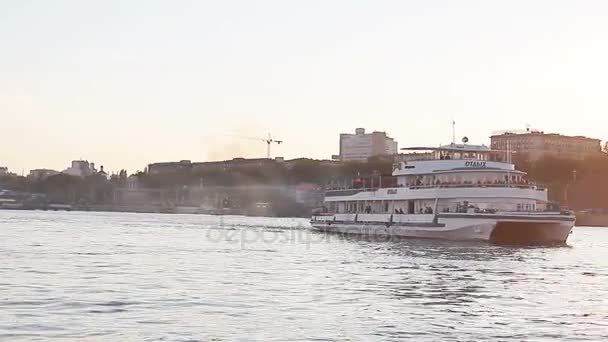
column 108, row 276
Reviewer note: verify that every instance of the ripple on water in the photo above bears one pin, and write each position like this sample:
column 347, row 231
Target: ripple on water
column 112, row 276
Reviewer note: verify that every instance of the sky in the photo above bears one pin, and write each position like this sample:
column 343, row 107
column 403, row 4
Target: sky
column 126, row 83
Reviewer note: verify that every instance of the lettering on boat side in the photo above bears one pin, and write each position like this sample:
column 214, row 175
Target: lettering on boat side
column 391, row 191
column 475, row 163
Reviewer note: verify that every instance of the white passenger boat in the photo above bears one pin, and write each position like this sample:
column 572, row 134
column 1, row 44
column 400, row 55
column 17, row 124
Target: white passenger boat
column 461, row 192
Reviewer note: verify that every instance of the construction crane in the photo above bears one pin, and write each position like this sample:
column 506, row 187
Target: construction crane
column 269, row 141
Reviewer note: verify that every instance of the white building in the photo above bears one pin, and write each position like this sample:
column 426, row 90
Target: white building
column 360, row 146
column 81, row 168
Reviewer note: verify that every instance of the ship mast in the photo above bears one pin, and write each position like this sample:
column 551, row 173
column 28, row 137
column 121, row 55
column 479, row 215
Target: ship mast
column 453, row 132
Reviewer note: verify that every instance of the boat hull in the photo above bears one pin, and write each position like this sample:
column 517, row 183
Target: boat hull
column 497, row 229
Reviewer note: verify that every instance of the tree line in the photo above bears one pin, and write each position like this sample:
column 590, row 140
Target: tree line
column 579, row 184
column 576, row 183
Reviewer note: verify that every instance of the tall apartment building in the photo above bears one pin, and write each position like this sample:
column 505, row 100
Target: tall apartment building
column 360, row 146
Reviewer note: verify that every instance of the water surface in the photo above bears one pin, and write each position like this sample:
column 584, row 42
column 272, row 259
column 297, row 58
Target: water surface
column 121, row 276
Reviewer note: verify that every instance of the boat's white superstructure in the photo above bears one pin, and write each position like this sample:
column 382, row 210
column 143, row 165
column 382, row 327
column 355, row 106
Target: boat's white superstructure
column 462, row 192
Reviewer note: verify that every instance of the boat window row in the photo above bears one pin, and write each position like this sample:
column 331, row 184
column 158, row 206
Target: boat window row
column 463, row 178
column 461, row 155
column 428, row 207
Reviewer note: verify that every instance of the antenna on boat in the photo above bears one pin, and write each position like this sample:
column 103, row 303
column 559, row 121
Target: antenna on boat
column 453, row 132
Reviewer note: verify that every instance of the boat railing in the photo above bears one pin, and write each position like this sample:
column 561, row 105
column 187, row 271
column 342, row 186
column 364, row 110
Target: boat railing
column 538, row 212
column 425, row 217
column 349, row 192
column 477, row 185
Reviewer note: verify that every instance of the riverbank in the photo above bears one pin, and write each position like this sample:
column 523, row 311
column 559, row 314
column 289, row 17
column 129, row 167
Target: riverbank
column 156, row 210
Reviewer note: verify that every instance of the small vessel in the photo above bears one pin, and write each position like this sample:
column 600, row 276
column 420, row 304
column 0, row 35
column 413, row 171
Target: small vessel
column 458, row 192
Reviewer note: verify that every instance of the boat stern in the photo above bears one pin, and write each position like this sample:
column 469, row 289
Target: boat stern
column 552, row 231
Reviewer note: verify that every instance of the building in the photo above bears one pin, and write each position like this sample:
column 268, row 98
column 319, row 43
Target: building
column 133, row 196
column 201, row 167
column 103, row 173
column 290, row 164
column 236, row 164
column 537, row 145
column 361, row 146
column 132, row 182
column 81, row 168
column 41, row 174
column 169, row 167
column 310, row 195
column 248, row 163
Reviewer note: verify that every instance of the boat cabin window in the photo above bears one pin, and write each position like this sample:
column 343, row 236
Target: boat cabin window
column 464, row 178
column 448, row 154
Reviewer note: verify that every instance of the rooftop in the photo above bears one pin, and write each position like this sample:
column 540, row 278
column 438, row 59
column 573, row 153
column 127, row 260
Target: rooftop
column 452, row 148
column 539, row 133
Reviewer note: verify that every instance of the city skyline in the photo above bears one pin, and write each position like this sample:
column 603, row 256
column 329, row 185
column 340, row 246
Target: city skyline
column 575, row 148
column 127, row 84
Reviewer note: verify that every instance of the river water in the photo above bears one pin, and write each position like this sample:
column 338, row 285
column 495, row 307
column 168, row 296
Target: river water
column 121, row 277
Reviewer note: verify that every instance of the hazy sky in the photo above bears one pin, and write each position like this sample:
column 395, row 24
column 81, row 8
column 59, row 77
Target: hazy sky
column 124, row 83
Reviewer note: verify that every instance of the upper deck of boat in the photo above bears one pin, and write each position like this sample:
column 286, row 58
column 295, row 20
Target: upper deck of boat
column 453, row 168
column 454, row 158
